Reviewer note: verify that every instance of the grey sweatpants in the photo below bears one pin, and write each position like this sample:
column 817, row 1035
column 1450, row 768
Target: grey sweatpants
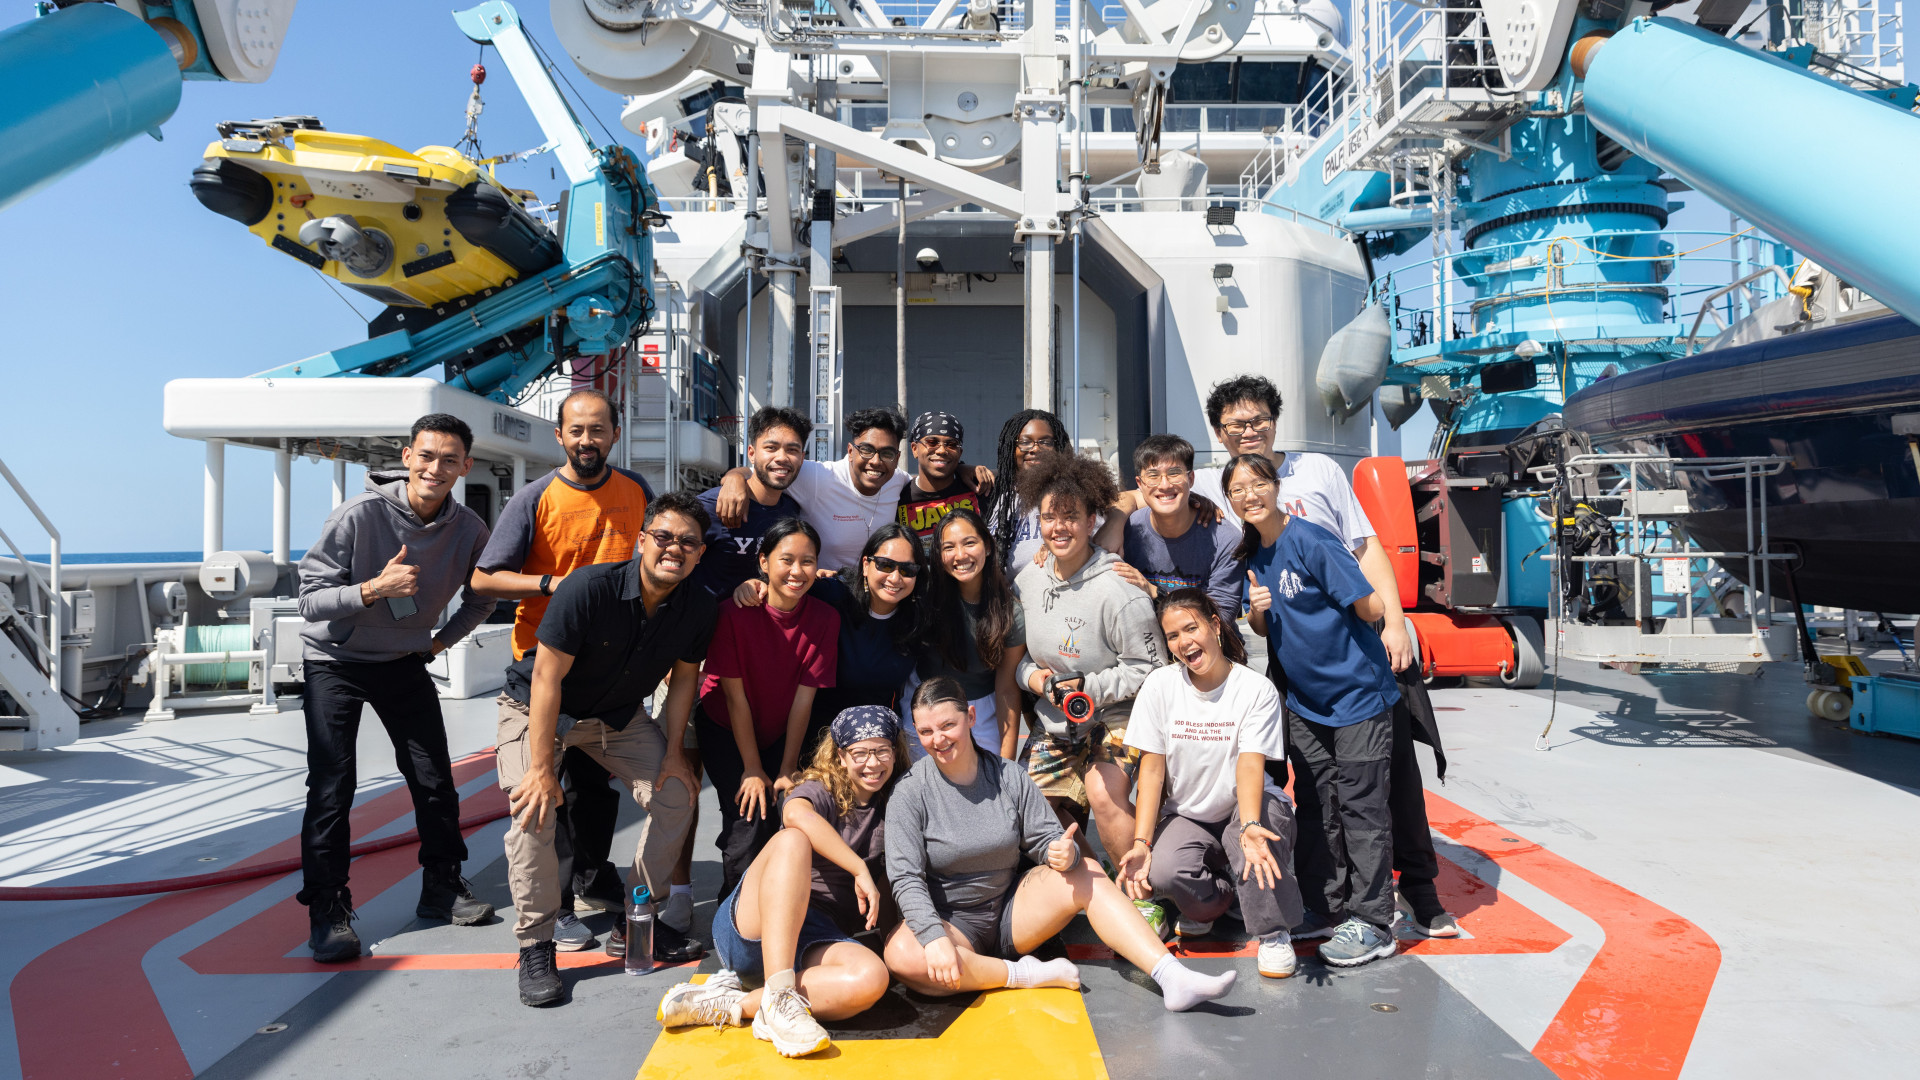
column 632, row 754
column 1199, row 863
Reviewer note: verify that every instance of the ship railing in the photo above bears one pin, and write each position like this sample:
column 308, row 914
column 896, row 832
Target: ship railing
column 1655, row 494
column 1656, row 287
column 36, row 686
column 1010, row 17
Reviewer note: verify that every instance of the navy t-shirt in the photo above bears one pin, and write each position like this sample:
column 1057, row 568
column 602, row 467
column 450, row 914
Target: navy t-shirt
column 1200, row 558
column 1336, row 669
column 871, row 669
column 733, row 555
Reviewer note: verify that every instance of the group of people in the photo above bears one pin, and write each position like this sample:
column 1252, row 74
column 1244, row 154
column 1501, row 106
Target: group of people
column 915, row 697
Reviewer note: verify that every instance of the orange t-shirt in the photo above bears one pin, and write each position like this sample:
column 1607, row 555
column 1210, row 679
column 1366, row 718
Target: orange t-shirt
column 553, row 526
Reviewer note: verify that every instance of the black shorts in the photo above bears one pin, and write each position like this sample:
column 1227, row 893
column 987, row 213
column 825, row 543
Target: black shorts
column 987, row 927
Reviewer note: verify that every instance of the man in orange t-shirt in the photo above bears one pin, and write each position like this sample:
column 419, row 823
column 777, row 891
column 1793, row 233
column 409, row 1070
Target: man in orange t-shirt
column 585, row 512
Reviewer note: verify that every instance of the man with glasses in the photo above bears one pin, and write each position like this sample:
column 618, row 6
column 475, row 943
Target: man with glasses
column 938, row 488
column 1165, row 546
column 612, row 632
column 846, row 499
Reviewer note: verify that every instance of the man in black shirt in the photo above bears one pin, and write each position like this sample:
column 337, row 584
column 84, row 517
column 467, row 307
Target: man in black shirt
column 611, row 634
column 776, row 444
column 937, row 488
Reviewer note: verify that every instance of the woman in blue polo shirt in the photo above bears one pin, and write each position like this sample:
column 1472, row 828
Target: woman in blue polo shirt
column 1307, row 592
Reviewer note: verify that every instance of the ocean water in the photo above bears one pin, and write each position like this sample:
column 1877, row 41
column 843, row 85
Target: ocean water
column 136, row 556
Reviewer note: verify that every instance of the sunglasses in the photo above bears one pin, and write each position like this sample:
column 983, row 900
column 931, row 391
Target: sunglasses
column 938, row 442
column 668, row 540
column 893, row 566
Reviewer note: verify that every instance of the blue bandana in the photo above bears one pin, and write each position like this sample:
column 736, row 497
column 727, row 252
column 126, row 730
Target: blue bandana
column 864, row 722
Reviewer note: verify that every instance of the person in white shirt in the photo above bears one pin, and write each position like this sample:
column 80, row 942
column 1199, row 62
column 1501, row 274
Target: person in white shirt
column 845, row 499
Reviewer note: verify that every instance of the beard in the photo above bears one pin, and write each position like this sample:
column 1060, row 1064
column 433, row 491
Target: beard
column 587, row 461
column 768, row 482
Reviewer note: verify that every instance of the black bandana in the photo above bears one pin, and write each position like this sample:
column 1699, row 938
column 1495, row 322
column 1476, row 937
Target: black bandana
column 944, row 424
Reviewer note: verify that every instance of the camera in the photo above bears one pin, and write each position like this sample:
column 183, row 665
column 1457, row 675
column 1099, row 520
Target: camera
column 1077, row 704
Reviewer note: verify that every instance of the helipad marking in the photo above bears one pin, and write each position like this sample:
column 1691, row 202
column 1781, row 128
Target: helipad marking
column 1004, row 1033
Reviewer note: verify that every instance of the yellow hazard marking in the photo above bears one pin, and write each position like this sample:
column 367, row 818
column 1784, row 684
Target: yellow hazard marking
column 1037, row 1034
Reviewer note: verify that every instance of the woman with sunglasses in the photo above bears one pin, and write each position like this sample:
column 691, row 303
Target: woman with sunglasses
column 878, row 599
column 819, row 882
column 1209, row 830
column 765, row 665
column 1307, row 594
column 958, row 827
column 976, row 632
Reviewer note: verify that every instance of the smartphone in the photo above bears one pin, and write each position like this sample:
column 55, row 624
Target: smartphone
column 401, row 607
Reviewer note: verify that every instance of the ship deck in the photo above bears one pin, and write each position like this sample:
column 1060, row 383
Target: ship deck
column 1665, row 891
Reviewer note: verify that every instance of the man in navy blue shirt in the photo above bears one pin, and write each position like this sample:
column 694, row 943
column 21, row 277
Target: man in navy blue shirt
column 1165, row 546
column 776, row 444
column 1307, row 590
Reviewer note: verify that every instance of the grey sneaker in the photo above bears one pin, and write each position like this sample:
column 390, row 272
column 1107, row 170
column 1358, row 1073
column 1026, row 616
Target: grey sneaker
column 1314, row 925
column 570, row 934
column 1155, row 915
column 716, row 1002
column 678, row 913
column 786, row 1021
column 1356, row 942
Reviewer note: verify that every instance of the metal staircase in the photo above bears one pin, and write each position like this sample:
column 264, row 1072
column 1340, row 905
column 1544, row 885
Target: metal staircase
column 34, row 715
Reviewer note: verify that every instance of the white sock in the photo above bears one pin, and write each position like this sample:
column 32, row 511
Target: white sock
column 1028, row 973
column 1184, row 988
column 676, row 890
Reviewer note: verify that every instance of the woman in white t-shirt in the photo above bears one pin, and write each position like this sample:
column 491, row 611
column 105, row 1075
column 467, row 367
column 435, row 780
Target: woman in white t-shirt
column 1205, row 726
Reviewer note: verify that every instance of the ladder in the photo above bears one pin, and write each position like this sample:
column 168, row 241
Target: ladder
column 40, row 718
column 823, row 330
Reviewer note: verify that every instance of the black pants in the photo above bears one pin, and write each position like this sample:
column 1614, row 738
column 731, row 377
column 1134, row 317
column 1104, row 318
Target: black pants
column 1349, row 770
column 740, row 838
column 583, row 838
column 403, row 697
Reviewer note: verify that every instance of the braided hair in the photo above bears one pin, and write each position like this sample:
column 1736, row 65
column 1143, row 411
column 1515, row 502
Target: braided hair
column 1003, row 517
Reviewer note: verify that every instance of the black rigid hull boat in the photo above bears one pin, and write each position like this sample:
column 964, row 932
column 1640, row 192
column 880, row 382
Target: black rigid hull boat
column 1842, row 401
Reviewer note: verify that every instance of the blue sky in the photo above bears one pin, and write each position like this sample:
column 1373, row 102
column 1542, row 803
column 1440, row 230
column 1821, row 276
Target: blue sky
column 115, row 279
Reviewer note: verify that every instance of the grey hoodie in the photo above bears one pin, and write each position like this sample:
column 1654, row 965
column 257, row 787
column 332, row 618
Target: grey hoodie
column 360, row 537
column 1094, row 623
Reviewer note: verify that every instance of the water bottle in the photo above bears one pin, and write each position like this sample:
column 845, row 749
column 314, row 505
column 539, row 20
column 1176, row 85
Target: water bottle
column 640, row 914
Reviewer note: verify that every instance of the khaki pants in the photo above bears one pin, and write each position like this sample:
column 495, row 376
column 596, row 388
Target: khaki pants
column 633, row 756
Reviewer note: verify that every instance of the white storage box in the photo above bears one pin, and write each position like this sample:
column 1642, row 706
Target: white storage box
column 476, row 665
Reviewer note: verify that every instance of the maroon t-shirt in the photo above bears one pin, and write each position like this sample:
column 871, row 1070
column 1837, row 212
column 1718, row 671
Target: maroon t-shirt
column 775, row 653
column 865, row 831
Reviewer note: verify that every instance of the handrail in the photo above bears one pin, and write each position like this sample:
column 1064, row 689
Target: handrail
column 50, row 588
column 1706, row 302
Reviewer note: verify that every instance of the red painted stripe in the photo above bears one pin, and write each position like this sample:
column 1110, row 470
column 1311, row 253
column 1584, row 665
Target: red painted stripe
column 83, row 1010
column 1636, row 1008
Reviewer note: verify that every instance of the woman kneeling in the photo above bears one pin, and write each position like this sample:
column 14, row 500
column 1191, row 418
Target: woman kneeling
column 808, row 891
column 957, row 827
column 1208, row 827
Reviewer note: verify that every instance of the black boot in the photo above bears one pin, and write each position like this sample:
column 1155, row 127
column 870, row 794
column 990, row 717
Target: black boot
column 670, row 946
column 447, row 897
column 540, row 983
column 331, row 938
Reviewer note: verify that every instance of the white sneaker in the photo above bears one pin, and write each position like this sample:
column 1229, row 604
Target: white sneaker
column 1276, row 955
column 786, row 1021
column 678, row 912
column 570, row 934
column 1186, row 927
column 716, row 1002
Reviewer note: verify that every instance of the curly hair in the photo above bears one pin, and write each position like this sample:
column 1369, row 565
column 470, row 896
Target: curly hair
column 1084, row 480
column 1252, row 388
column 832, row 775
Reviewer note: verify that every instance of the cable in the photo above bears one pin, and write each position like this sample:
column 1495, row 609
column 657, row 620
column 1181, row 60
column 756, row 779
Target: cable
column 222, row 877
column 343, row 297
column 555, row 69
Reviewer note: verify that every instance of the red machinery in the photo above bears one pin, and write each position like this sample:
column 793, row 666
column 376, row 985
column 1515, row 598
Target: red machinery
column 1442, row 534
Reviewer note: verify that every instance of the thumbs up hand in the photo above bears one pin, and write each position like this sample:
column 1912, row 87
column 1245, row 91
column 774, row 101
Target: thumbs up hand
column 1259, row 597
column 1062, row 852
column 396, row 578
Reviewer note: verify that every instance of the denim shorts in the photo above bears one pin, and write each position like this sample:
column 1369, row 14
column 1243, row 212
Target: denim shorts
column 741, row 954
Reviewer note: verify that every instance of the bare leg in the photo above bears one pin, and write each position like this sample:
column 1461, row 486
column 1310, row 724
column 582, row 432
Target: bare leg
column 772, row 899
column 1047, row 900
column 839, row 980
column 1110, row 797
column 908, row 962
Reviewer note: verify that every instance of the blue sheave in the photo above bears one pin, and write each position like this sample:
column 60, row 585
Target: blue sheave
column 1337, row 671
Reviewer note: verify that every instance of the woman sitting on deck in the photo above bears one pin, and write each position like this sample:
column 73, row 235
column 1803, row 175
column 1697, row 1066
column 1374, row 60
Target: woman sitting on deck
column 813, row 887
column 958, row 826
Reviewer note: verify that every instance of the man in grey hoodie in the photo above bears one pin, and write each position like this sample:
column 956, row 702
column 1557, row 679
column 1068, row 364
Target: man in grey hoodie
column 386, row 564
column 1088, row 631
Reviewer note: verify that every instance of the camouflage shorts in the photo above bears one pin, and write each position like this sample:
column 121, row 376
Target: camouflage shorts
column 1058, row 765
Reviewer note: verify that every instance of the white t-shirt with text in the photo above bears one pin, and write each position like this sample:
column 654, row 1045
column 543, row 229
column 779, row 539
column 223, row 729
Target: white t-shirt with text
column 842, row 516
column 1203, row 736
column 1312, row 486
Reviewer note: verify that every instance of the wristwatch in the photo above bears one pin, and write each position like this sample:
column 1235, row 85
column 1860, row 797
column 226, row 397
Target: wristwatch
column 546, row 584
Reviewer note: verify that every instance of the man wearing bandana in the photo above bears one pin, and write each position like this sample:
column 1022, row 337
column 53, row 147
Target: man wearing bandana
column 938, row 488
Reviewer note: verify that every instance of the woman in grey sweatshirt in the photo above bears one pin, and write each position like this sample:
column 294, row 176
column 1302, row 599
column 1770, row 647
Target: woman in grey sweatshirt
column 1083, row 620
column 962, row 827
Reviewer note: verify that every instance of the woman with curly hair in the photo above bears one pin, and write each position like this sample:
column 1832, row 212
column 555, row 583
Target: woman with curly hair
column 818, row 882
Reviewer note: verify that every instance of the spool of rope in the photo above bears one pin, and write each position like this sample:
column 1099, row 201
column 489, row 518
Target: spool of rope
column 227, row 637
